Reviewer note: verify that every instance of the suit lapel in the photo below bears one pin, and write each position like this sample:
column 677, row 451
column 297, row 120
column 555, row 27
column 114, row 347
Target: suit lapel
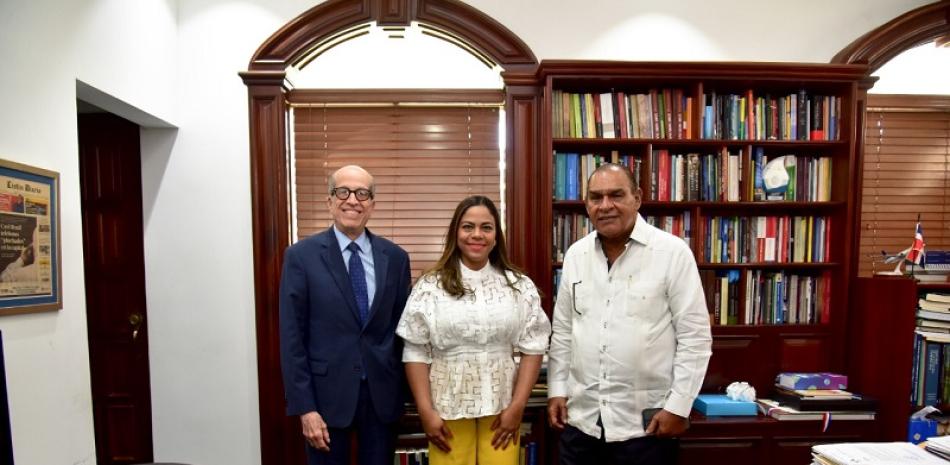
column 333, row 259
column 381, row 265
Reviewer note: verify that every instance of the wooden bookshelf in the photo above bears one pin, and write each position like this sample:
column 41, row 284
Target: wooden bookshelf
column 741, row 352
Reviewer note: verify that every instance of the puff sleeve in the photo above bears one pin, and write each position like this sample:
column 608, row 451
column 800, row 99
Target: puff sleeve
column 415, row 322
column 535, row 328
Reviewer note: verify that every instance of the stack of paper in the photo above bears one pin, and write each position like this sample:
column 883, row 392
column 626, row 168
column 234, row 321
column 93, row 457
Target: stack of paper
column 873, row 453
column 939, row 445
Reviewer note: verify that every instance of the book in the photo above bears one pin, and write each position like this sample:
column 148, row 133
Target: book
column 816, row 393
column 812, row 381
column 933, row 306
column 773, row 409
column 818, row 404
column 936, row 297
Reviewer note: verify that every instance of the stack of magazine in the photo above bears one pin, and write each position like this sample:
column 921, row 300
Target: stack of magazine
column 873, row 453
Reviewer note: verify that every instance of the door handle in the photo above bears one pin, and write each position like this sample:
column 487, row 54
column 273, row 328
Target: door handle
column 135, row 320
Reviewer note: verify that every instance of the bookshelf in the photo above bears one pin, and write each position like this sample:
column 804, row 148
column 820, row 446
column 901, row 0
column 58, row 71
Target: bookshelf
column 697, row 180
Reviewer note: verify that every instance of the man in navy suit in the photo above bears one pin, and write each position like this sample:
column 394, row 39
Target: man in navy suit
column 342, row 292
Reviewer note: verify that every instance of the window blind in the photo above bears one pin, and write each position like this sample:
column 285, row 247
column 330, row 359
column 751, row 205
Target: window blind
column 906, row 173
column 424, row 160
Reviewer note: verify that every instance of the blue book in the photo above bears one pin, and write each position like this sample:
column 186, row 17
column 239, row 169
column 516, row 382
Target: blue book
column 713, row 405
column 531, row 454
column 708, row 122
column 583, row 102
column 560, row 175
column 915, row 370
column 573, row 163
column 759, row 184
column 932, row 373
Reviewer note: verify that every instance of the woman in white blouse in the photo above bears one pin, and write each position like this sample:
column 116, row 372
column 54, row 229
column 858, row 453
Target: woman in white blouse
column 464, row 319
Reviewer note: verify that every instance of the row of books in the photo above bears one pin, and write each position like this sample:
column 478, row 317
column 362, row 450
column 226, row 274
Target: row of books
column 570, row 226
column 930, row 375
column 657, row 114
column 571, row 171
column 796, row 116
column 695, row 177
column 527, row 455
column 768, row 297
column 781, row 239
column 411, row 456
column 809, row 178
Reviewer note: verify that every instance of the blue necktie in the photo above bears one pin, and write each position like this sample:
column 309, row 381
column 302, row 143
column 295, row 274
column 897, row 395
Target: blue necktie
column 358, row 281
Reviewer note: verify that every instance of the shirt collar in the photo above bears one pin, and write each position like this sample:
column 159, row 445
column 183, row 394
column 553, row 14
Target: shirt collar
column 474, row 274
column 641, row 232
column 344, row 241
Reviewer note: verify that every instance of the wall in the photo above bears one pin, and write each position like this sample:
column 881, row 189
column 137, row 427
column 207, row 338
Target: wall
column 45, row 47
column 920, row 70
column 177, row 62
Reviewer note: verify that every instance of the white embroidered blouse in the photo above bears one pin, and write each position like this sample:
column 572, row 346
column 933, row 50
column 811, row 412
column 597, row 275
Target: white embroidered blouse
column 468, row 342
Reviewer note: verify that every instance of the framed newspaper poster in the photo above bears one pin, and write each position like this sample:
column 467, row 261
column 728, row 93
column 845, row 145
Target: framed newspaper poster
column 30, row 269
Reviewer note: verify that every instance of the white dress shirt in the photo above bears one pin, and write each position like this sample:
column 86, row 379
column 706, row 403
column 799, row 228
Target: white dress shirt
column 634, row 337
column 468, row 342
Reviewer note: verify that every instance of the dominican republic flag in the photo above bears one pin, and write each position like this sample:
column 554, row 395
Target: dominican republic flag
column 916, row 253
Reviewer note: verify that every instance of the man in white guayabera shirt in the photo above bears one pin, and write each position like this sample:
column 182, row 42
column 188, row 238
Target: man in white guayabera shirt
column 630, row 332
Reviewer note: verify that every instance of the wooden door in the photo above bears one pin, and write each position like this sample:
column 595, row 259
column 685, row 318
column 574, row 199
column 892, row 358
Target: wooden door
column 111, row 185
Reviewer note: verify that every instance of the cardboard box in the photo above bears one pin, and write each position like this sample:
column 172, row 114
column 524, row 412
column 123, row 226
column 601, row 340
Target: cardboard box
column 812, row 381
column 713, row 405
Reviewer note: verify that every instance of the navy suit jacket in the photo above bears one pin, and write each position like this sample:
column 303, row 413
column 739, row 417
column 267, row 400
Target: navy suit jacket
column 323, row 347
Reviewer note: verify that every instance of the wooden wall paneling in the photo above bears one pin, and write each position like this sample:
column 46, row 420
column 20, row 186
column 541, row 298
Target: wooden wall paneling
column 524, row 167
column 881, row 348
column 723, row 367
column 721, row 450
column 280, row 435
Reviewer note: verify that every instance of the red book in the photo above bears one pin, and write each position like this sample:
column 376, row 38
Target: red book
column 786, row 234
column 750, row 117
column 663, row 175
column 769, row 239
column 824, row 295
column 621, row 104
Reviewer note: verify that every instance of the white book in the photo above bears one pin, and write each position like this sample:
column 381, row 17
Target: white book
column 607, row 116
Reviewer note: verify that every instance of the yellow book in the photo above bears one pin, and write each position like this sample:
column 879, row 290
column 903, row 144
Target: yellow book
column 591, row 116
column 809, row 238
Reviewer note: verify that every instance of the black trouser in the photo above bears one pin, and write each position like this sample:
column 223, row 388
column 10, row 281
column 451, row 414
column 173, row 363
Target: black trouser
column 577, row 448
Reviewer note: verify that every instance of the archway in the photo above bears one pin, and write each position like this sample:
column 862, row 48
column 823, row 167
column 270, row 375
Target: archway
column 268, row 86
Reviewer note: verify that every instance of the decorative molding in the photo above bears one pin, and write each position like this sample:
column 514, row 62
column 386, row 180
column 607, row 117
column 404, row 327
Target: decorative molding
column 718, row 70
column 908, row 30
column 297, row 38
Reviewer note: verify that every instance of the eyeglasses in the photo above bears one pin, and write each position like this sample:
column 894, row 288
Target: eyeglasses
column 343, row 193
column 574, row 296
